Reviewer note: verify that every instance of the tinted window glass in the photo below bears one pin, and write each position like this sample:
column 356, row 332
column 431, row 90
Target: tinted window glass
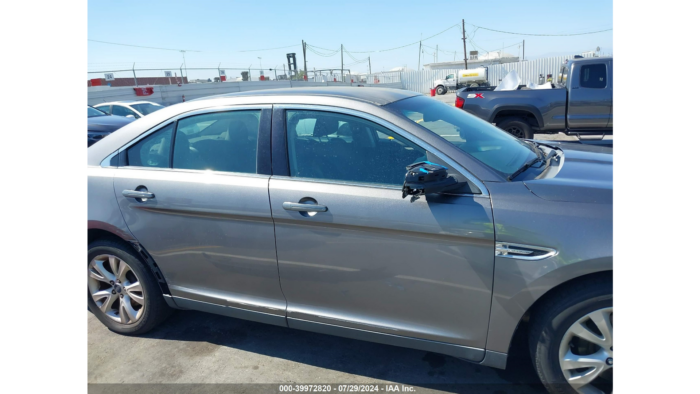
column 93, row 112
column 483, row 141
column 325, row 145
column 147, row 108
column 152, row 151
column 104, row 108
column 122, row 111
column 593, row 76
column 222, row 141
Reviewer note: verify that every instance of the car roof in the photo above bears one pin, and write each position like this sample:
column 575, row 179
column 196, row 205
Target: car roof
column 128, row 102
column 377, row 96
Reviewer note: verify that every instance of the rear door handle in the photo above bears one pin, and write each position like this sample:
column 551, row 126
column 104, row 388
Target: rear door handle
column 137, row 194
column 293, row 206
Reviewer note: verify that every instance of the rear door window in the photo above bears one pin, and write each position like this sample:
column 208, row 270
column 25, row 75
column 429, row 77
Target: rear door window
column 593, row 76
column 152, row 151
column 103, row 108
column 220, row 141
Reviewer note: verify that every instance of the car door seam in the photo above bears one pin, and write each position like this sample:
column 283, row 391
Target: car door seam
column 277, row 260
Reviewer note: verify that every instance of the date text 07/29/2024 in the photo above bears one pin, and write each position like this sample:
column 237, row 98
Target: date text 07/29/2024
column 346, row 389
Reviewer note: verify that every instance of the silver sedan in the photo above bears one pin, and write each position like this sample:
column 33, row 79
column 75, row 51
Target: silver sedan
column 369, row 213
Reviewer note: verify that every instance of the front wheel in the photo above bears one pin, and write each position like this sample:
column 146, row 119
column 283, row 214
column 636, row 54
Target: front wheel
column 440, row 90
column 571, row 339
column 122, row 292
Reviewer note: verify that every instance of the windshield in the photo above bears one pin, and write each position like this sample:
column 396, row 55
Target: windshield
column 147, row 108
column 92, row 112
column 486, row 143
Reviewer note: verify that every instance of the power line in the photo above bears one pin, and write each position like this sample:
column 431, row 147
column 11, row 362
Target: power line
column 140, row 46
column 408, row 45
column 540, row 35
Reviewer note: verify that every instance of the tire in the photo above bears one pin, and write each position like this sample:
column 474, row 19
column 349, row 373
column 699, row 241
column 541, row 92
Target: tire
column 550, row 335
column 154, row 311
column 518, row 127
column 440, row 90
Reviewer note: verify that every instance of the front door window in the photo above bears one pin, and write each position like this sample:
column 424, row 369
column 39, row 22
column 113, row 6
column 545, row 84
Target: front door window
column 332, row 146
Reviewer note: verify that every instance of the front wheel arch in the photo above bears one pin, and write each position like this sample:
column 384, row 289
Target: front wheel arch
column 522, row 329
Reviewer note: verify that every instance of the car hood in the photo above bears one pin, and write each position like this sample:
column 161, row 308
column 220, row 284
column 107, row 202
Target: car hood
column 585, row 175
column 107, row 123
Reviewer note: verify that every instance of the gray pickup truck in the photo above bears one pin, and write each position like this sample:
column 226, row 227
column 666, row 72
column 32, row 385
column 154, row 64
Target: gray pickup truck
column 580, row 103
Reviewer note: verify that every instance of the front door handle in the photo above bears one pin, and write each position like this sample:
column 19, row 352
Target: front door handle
column 293, row 206
column 138, row 194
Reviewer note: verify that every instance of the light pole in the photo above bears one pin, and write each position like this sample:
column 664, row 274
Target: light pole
column 261, row 70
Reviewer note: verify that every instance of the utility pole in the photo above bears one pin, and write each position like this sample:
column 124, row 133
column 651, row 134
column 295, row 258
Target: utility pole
column 420, row 48
column 183, row 61
column 342, row 76
column 523, row 50
column 370, row 64
column 437, row 48
column 464, row 41
column 303, row 48
column 136, row 81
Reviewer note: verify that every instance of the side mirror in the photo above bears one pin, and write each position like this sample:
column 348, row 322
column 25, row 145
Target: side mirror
column 425, row 177
column 130, row 116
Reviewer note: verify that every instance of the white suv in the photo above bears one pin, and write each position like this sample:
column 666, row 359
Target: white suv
column 134, row 109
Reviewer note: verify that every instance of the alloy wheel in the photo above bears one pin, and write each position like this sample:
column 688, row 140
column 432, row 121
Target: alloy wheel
column 586, row 352
column 116, row 289
column 516, row 131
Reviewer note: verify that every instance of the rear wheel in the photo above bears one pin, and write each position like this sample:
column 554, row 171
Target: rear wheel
column 571, row 339
column 440, row 90
column 518, row 127
column 122, row 292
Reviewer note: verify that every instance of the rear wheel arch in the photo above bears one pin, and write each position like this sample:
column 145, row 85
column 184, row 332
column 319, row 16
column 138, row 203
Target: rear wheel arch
column 100, row 234
column 95, row 234
column 529, row 115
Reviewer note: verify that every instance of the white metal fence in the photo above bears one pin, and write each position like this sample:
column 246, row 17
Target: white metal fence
column 173, row 94
column 529, row 71
column 418, row 81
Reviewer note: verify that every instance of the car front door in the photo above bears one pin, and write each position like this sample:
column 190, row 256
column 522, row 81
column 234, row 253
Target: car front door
column 590, row 97
column 361, row 259
column 205, row 218
column 450, row 81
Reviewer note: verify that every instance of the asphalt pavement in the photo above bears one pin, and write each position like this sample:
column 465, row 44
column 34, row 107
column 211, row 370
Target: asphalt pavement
column 194, row 348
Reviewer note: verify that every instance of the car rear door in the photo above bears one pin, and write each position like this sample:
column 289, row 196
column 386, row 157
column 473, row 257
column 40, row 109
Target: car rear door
column 195, row 195
column 590, row 96
column 360, row 259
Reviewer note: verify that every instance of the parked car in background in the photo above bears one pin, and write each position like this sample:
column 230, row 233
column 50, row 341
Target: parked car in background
column 375, row 214
column 101, row 124
column 134, row 109
column 580, row 104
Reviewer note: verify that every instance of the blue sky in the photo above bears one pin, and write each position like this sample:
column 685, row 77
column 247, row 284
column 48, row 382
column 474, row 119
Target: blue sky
column 221, row 29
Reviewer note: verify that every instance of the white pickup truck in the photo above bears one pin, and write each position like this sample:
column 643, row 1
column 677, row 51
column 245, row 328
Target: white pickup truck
column 463, row 78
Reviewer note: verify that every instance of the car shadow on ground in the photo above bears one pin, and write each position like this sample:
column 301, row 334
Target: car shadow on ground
column 371, row 360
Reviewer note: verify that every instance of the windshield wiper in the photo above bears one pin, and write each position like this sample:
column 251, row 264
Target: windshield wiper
column 524, row 167
column 536, row 149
